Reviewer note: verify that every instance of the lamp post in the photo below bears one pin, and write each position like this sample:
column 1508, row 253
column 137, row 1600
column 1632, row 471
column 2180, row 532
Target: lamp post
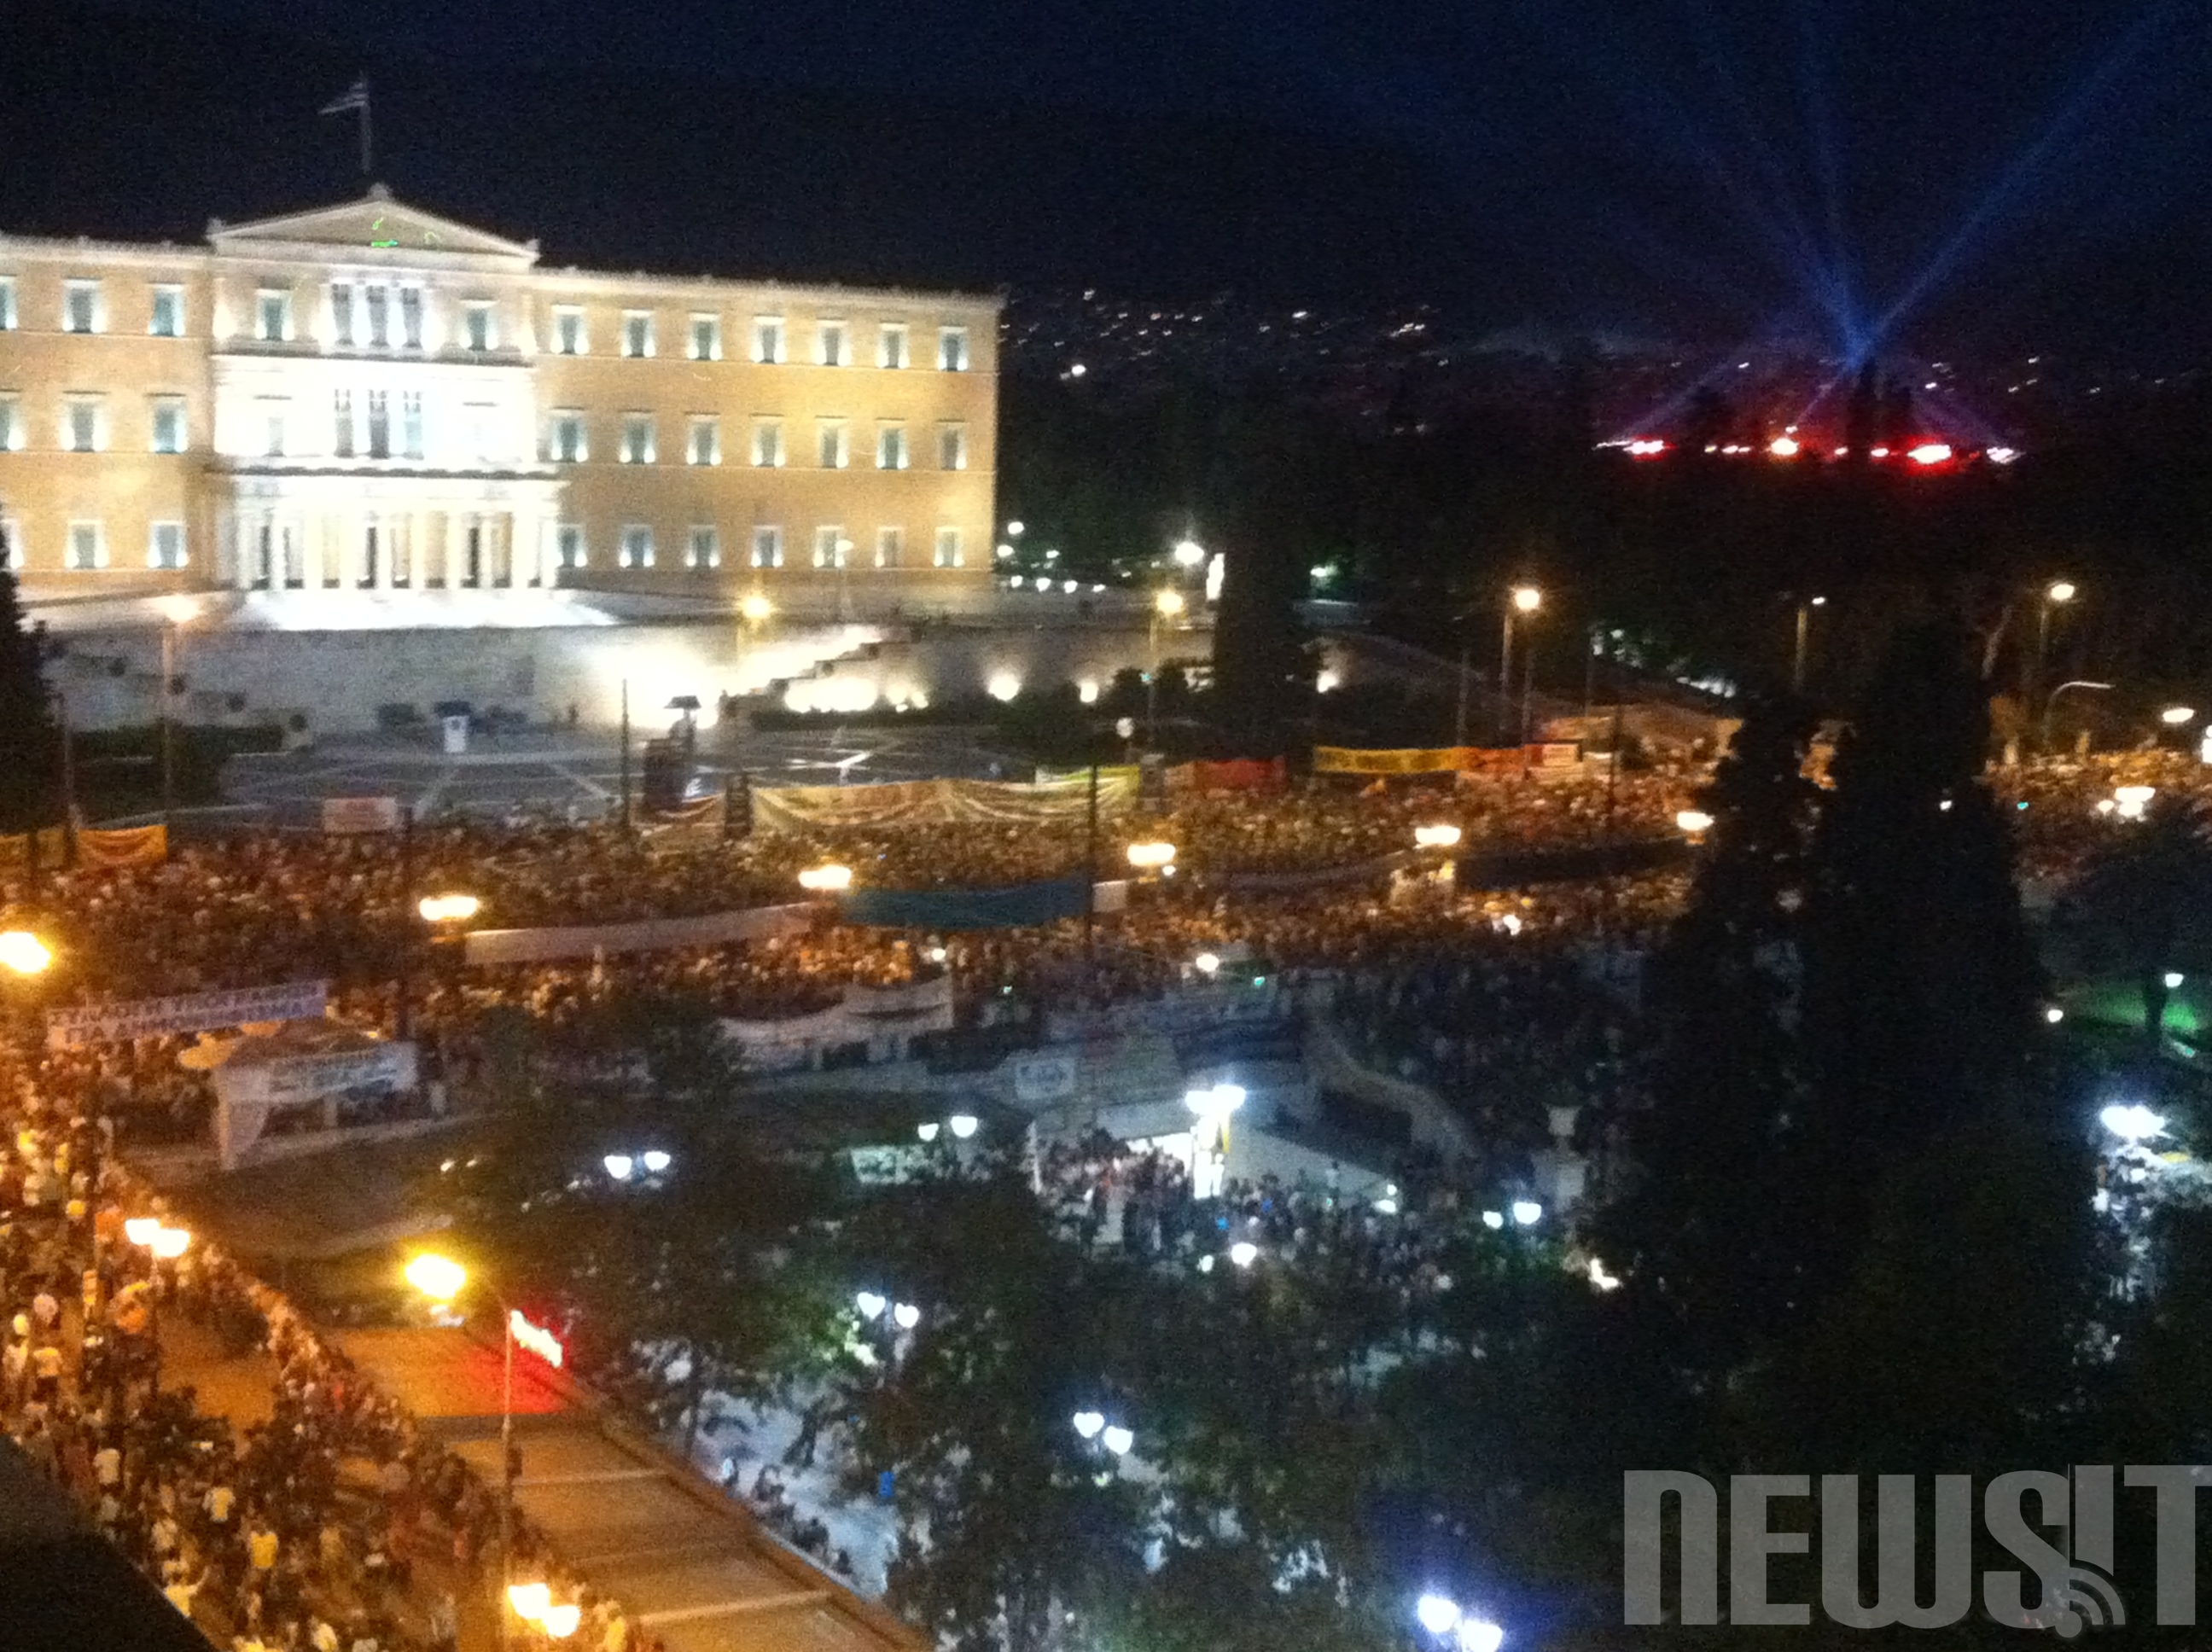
column 441, row 1279
column 2055, row 595
column 1805, row 608
column 1524, row 600
column 177, row 612
column 1167, row 604
column 2052, row 704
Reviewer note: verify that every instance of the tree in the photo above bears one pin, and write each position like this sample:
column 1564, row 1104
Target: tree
column 30, row 737
column 2144, row 905
column 1708, row 1234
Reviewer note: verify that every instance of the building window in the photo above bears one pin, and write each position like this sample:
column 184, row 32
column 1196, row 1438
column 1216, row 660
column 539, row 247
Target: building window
column 568, row 444
column 704, row 548
column 88, row 546
column 342, row 314
column 342, row 424
column 11, row 424
column 167, row 319
column 81, row 306
column 637, row 332
column 82, row 423
column 273, row 409
column 165, row 546
column 953, row 447
column 890, row 447
column 637, row 444
column 949, row 553
column 833, row 451
column 831, row 547
column 7, row 303
column 890, row 345
column 767, row 547
column 768, row 442
column 768, row 338
column 410, row 317
column 569, row 544
column 829, row 343
column 167, row 423
column 890, row 544
column 703, row 439
column 476, row 318
column 706, row 338
column 411, row 422
column 272, row 315
column 953, row 349
column 483, row 422
column 636, row 547
column 569, row 331
column 379, row 424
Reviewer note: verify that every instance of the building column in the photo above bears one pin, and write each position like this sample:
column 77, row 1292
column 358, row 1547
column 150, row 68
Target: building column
column 387, row 548
column 529, row 552
column 245, row 535
column 457, row 547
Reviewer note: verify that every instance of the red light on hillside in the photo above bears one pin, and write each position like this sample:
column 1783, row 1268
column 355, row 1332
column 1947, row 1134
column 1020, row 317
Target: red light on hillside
column 1930, row 452
column 1646, row 447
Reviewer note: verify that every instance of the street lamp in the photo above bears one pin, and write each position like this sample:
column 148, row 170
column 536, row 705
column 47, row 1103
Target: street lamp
column 24, row 953
column 1189, row 553
column 963, row 1125
column 756, row 609
column 2175, row 716
column 1167, row 604
column 1440, row 836
column 1152, row 857
column 442, row 1279
column 2051, row 705
column 1804, row 627
column 826, row 880
column 2132, row 1124
column 448, row 909
column 1089, row 1424
column 1693, row 823
column 2055, row 595
column 1526, row 599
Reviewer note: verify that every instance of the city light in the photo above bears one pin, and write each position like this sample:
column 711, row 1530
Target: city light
column 1004, row 686
column 2060, row 590
column 1693, row 823
column 1527, row 1212
column 654, row 1161
column 963, row 1125
column 1206, row 962
column 1526, row 598
column 1189, row 553
column 618, row 1165
column 1783, row 447
column 2132, row 1123
column 1168, row 603
column 2131, row 801
column 1479, row 1635
column 871, row 1305
column 140, row 1230
column 2174, row 978
column 1646, row 447
column 24, row 953
column 2175, row 716
column 2054, row 1015
column 1600, row 1279
column 439, row 1278
column 1089, row 1422
column 536, row 1337
column 529, row 1600
column 905, row 1315
column 169, row 1243
column 1440, row 836
column 1117, row 1440
column 826, row 880
column 1437, row 1614
column 1493, row 1220
column 560, row 1622
column 926, row 1131
column 755, row 609
column 1930, row 452
column 1087, row 690
column 448, row 909
column 1243, row 1253
column 2003, row 455
column 1151, row 857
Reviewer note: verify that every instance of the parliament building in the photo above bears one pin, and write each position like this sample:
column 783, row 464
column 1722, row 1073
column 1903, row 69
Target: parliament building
column 367, row 408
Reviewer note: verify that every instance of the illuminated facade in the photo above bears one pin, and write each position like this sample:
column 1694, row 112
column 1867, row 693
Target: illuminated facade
column 368, row 408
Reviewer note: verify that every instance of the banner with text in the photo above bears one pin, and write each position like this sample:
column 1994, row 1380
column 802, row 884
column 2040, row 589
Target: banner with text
column 131, row 845
column 1064, row 797
column 648, row 935
column 157, row 1017
column 344, row 816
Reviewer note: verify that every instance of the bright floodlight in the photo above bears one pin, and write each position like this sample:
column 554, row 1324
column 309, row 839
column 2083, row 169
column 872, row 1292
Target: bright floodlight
column 1528, row 599
column 1151, row 857
column 2174, row 978
column 1217, row 1103
column 448, row 909
column 2060, row 590
column 756, row 607
column 169, row 1243
column 24, row 953
column 654, row 1161
column 1527, row 1212
column 2054, row 1015
column 1088, row 1423
column 1479, row 1635
column 1930, row 452
column 964, row 1125
column 1189, row 553
column 1168, row 603
column 140, row 1230
column 2132, row 1123
column 1437, row 1613
column 619, row 1165
column 439, row 1278
column 1117, row 1440
column 2175, row 716
column 926, row 1131
column 826, row 880
column 1004, row 686
column 1693, row 822
column 1385, row 1207
column 871, row 1305
column 1243, row 1253
column 1783, row 447
column 560, row 1622
column 1206, row 963
column 905, row 1315
column 1442, row 835
column 1086, row 691
column 529, row 1600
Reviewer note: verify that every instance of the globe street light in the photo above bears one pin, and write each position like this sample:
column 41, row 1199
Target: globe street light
column 454, row 908
column 1167, row 604
column 1526, row 599
column 2055, row 595
column 826, row 880
column 25, row 953
column 1189, row 553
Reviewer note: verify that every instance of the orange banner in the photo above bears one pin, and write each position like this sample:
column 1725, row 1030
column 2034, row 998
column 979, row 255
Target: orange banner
column 135, row 846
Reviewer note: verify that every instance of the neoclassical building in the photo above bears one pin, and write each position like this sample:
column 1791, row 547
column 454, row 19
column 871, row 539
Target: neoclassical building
column 367, row 400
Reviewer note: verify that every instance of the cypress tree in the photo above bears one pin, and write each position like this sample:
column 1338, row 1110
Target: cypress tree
column 30, row 738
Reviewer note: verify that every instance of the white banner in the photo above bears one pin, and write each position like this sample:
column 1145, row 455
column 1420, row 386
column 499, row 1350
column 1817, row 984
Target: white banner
column 649, row 935
column 156, row 1017
column 346, row 815
column 247, row 1092
column 885, row 1018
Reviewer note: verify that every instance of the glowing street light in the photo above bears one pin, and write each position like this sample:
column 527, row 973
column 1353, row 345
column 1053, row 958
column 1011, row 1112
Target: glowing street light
column 1693, row 823
column 905, row 1315
column 755, row 609
column 1243, row 1253
column 926, row 1131
column 1930, row 452
column 654, row 1161
column 1189, row 553
column 560, row 1622
column 530, row 1601
column 1493, row 1220
column 2132, row 1123
column 1088, row 1424
column 964, row 1125
column 619, row 1166
column 439, row 1278
column 448, row 909
column 1439, row 1614
column 826, row 880
column 140, row 1230
column 1527, row 1212
column 1152, row 857
column 2059, row 591
column 1442, row 836
column 2175, row 716
column 2131, row 801
column 1206, row 963
column 2174, row 978
column 1479, row 1635
column 1526, row 598
column 25, row 953
column 1783, row 447
column 871, row 1305
column 1117, row 1440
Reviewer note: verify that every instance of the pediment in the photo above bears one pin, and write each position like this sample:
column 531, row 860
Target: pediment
column 377, row 222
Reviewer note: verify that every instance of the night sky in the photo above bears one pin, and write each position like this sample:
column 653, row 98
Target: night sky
column 1954, row 174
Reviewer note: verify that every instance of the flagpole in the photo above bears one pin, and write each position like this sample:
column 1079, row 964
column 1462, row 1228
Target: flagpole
column 368, row 164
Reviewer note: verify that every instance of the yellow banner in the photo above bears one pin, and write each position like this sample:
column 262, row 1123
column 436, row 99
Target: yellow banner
column 1413, row 760
column 135, row 846
column 53, row 845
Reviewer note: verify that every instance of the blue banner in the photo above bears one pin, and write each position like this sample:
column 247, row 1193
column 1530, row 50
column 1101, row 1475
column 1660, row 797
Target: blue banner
column 1014, row 906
